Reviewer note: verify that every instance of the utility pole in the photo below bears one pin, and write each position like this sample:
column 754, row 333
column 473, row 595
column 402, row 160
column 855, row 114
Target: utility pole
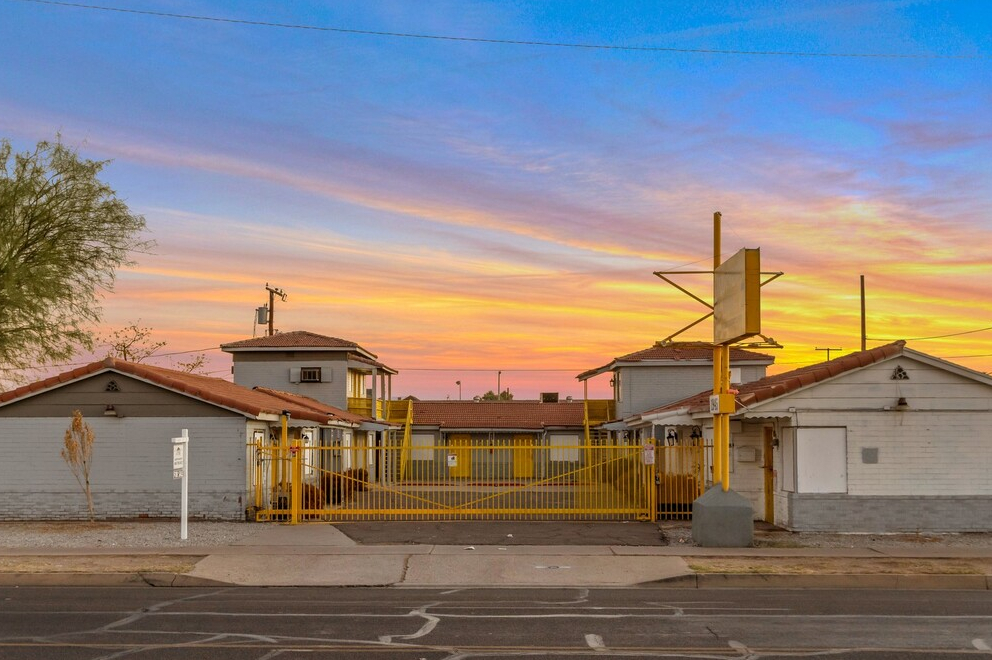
column 864, row 332
column 828, row 351
column 459, row 384
column 499, row 377
column 273, row 292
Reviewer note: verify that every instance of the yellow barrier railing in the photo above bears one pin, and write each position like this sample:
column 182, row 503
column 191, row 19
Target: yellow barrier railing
column 514, row 477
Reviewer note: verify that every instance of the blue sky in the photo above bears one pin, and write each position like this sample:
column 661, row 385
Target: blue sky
column 462, row 205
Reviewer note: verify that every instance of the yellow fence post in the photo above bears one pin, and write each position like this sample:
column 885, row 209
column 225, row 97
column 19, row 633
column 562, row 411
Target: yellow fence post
column 297, row 486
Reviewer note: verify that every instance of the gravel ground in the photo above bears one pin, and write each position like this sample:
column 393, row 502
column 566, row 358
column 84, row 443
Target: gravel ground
column 124, row 534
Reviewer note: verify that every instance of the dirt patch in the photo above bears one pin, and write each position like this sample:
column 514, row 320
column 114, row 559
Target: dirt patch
column 841, row 566
column 98, row 564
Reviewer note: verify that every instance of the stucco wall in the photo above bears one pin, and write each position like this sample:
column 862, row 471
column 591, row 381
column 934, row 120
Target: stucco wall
column 271, row 369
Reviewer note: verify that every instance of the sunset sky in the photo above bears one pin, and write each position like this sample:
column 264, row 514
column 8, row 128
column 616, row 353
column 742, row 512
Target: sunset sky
column 463, row 207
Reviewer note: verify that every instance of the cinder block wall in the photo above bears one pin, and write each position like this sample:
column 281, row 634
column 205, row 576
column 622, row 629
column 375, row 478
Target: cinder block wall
column 847, row 513
column 132, row 468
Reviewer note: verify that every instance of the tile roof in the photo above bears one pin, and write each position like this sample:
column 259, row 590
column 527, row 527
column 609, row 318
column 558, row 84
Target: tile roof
column 328, row 410
column 676, row 352
column 784, row 383
column 375, row 363
column 498, row 414
column 294, row 339
column 206, row 388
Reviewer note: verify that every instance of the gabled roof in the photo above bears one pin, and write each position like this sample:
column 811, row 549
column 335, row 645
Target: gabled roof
column 484, row 415
column 222, row 393
column 787, row 382
column 676, row 353
column 375, row 363
column 301, row 340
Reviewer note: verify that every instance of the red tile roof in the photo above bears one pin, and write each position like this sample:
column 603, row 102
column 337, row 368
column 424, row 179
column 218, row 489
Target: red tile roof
column 677, row 352
column 498, row 414
column 330, row 411
column 778, row 385
column 206, row 388
column 294, row 339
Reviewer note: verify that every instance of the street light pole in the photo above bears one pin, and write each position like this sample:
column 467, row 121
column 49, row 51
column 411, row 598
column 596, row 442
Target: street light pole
column 459, row 384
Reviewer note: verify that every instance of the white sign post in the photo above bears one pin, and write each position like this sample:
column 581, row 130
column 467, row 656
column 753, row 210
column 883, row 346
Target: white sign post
column 180, row 470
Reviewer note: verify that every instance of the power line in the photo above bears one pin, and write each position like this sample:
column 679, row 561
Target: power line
column 953, row 334
column 459, row 369
column 505, row 42
column 80, row 364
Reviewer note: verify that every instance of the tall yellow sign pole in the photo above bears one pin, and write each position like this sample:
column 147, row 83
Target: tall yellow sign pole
column 721, row 388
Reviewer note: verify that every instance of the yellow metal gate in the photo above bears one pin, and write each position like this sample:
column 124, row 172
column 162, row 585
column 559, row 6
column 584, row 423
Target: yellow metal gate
column 505, row 476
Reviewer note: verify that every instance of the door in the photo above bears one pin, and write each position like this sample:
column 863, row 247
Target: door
column 460, row 455
column 768, row 467
column 523, row 456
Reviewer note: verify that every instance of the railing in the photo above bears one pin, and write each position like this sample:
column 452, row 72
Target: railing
column 363, row 406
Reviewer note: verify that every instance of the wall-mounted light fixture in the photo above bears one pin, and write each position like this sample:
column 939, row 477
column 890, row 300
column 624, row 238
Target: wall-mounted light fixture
column 902, row 404
column 774, row 440
column 109, row 411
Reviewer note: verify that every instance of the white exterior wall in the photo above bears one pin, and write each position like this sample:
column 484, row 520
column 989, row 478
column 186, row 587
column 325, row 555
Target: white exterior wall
column 747, row 477
column 272, row 370
column 132, row 468
column 652, row 384
column 934, row 459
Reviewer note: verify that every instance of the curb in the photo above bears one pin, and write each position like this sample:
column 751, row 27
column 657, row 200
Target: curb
column 847, row 581
column 107, row 580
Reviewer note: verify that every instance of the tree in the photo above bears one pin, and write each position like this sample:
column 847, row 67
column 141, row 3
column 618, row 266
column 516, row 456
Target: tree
column 63, row 235
column 78, row 454
column 132, row 343
column 505, row 395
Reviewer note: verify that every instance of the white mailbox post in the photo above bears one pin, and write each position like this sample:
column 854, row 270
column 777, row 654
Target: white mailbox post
column 180, row 470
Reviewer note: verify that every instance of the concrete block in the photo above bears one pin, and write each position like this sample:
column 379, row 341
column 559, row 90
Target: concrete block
column 722, row 519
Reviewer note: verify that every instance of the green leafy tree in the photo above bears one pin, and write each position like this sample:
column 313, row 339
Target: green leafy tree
column 63, row 235
column 505, row 395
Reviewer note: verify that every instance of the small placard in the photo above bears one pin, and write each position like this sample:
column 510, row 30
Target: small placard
column 452, row 460
column 177, row 457
column 648, row 455
column 177, row 474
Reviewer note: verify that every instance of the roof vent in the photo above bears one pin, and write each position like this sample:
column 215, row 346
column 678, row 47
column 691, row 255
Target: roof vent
column 112, row 387
column 549, row 397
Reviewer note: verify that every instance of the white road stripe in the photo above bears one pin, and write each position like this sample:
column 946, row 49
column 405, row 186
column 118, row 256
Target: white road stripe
column 981, row 645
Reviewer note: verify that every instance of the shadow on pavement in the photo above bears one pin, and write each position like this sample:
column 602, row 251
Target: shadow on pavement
column 500, row 532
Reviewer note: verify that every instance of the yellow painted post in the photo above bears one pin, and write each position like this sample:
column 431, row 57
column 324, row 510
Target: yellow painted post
column 717, row 426
column 725, row 389
column 258, row 474
column 296, row 453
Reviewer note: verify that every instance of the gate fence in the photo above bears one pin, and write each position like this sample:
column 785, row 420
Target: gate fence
column 505, row 478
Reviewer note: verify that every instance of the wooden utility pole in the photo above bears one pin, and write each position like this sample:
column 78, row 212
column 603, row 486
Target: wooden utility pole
column 273, row 292
column 828, row 351
column 864, row 332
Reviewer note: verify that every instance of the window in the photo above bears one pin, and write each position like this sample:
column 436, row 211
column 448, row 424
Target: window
column 309, row 374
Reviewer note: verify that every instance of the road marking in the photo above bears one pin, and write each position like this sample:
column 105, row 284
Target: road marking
column 981, row 645
column 430, row 622
column 595, row 642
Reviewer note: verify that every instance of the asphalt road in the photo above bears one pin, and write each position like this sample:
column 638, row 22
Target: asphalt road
column 433, row 624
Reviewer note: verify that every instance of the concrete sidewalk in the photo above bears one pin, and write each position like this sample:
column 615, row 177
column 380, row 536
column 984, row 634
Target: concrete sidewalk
column 323, row 555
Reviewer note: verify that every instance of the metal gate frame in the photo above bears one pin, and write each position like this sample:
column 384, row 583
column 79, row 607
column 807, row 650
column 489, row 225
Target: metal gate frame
column 567, row 482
